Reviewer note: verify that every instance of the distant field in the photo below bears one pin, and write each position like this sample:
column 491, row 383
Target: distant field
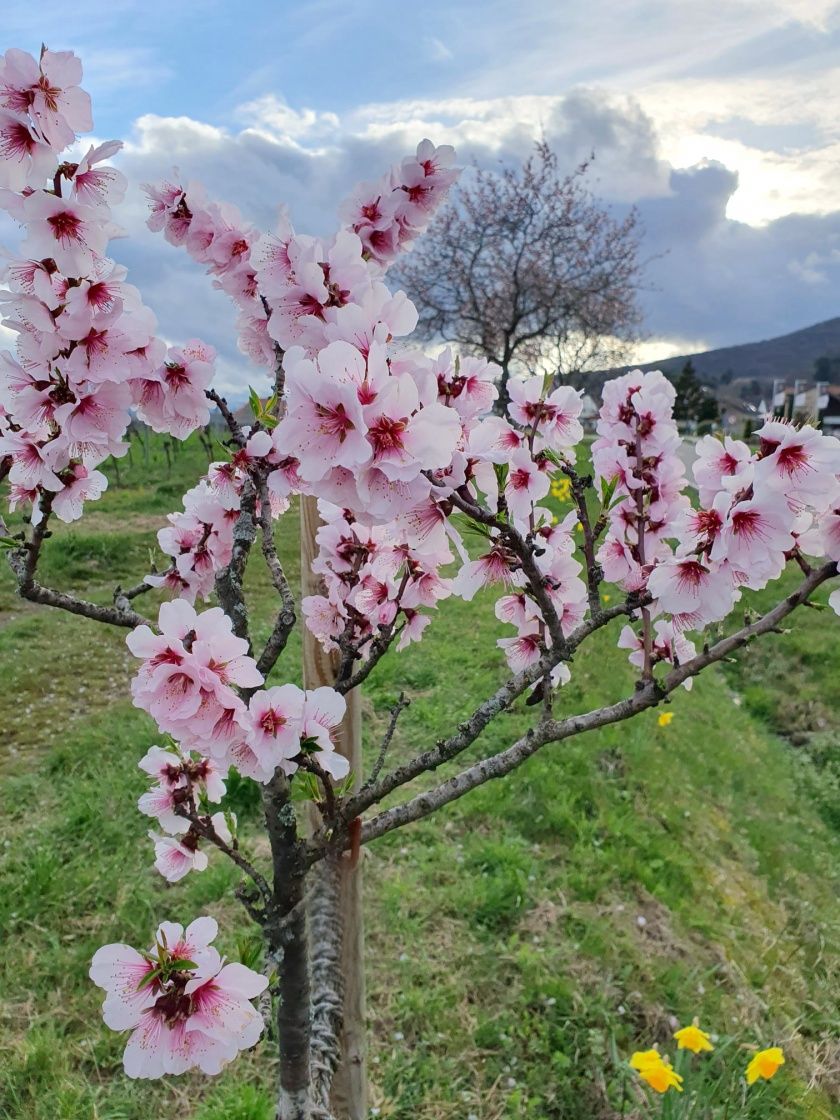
column 520, row 944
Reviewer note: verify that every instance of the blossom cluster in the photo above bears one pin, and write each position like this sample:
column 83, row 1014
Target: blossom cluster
column 189, row 682
column 757, row 509
column 513, row 463
column 374, row 580
column 199, row 538
column 388, row 214
column 216, row 236
column 185, row 780
column 86, row 348
column 637, row 456
column 185, row 1006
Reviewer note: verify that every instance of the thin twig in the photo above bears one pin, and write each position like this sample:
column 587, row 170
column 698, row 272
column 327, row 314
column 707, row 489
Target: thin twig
column 397, row 710
column 234, row 427
column 202, row 825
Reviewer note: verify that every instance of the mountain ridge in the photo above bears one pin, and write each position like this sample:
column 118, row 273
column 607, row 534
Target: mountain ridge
column 785, row 357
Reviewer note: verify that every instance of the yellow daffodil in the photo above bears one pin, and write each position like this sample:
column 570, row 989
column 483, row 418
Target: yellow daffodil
column 693, row 1039
column 765, row 1064
column 656, row 1071
column 665, row 718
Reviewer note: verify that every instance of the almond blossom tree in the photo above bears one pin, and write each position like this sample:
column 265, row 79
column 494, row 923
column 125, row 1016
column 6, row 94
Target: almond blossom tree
column 401, row 451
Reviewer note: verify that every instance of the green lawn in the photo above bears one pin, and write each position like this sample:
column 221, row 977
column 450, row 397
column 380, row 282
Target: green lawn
column 521, row 944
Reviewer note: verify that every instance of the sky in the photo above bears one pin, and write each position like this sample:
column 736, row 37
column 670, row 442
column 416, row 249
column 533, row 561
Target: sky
column 717, row 121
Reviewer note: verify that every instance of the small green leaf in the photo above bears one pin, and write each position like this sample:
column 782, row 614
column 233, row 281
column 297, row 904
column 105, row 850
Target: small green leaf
column 148, row 979
column 346, row 785
column 305, row 787
column 230, row 821
column 179, row 965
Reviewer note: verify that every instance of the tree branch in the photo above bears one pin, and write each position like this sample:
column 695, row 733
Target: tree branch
column 286, row 617
column 651, row 693
column 234, row 427
column 468, row 731
column 229, row 586
column 23, row 562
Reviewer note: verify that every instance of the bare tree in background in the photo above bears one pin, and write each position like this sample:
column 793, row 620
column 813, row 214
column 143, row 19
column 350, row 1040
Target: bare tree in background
column 525, row 267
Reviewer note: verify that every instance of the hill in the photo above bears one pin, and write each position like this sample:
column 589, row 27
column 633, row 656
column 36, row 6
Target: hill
column 787, row 357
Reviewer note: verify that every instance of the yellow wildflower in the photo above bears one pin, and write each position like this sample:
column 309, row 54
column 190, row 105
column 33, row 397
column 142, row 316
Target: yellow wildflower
column 665, row 718
column 656, row 1071
column 607, row 598
column 693, row 1039
column 765, row 1064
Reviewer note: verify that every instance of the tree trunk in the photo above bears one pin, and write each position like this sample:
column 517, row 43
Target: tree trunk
column 289, row 948
column 503, row 399
column 349, row 1091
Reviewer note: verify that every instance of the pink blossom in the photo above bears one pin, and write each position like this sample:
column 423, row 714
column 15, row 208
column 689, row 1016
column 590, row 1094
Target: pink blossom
column 526, row 485
column 467, row 384
column 415, row 624
column 475, row 574
column 554, row 415
column 323, row 711
column 68, row 232
column 524, row 650
column 25, row 160
column 324, row 425
column 49, row 91
column 80, row 486
column 32, row 462
column 753, row 532
column 176, row 856
column 179, row 405
column 274, row 726
column 720, row 465
column 99, row 186
column 185, row 1007
column 667, row 644
column 798, row 462
column 693, row 593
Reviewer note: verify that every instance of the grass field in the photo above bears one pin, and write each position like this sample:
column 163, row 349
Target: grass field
column 521, row 944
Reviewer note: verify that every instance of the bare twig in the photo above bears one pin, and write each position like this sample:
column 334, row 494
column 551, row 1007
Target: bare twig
column 397, row 710
column 375, row 652
column 591, row 533
column 234, row 427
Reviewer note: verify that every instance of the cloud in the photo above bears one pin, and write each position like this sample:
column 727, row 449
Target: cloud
column 711, row 276
column 438, row 50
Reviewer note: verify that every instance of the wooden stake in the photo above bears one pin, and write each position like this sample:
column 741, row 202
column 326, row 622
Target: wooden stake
column 349, row 1095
